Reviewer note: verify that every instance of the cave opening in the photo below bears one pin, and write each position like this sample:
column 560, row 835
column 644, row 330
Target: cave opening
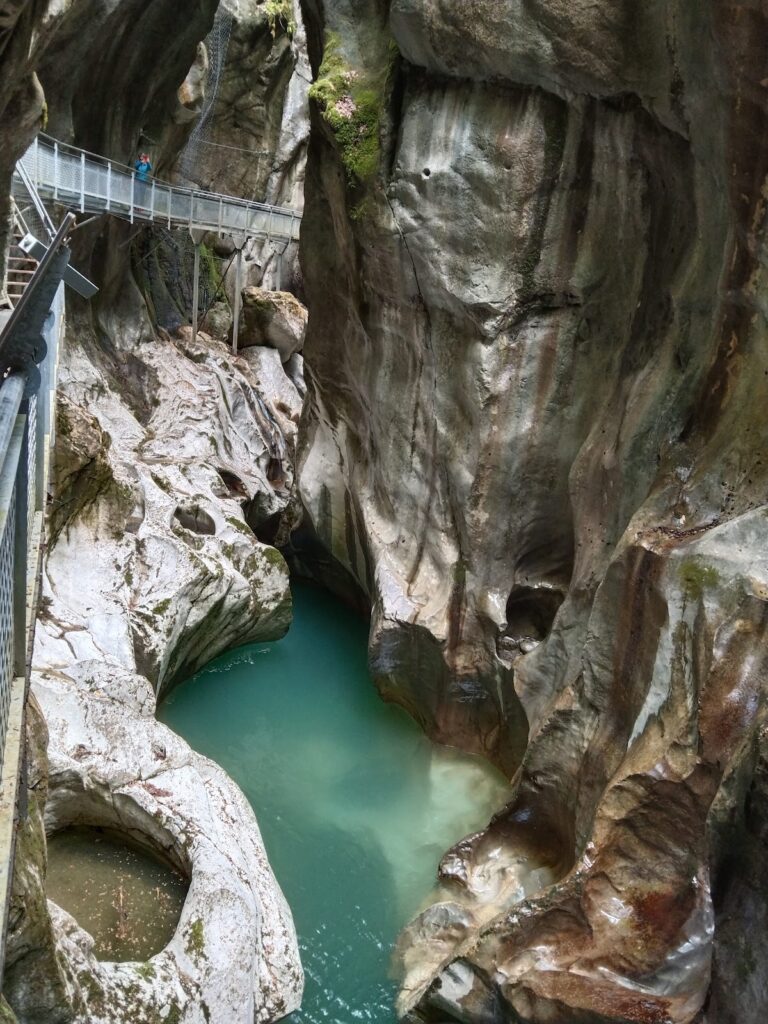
column 531, row 612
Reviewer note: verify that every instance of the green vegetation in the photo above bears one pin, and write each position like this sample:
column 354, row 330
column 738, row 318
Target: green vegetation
column 352, row 103
column 195, row 943
column 273, row 558
column 162, row 607
column 460, row 573
column 146, row 971
column 696, row 578
column 210, row 271
column 280, row 15
column 174, row 1014
column 240, row 526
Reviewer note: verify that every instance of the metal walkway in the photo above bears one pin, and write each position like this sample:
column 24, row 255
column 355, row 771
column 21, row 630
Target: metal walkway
column 30, row 335
column 88, row 183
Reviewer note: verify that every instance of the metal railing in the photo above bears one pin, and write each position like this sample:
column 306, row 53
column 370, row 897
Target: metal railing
column 27, row 419
column 29, row 292
column 29, row 347
column 89, row 183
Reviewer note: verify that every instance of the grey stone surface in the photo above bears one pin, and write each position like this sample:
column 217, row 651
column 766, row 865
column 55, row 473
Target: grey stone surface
column 538, row 362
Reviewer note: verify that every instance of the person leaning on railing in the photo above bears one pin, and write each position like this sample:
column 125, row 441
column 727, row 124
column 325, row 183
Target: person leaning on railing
column 143, row 168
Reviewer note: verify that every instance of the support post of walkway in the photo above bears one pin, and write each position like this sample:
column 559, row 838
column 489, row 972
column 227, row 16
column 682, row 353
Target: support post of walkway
column 196, row 291
column 197, row 238
column 238, row 298
column 20, row 550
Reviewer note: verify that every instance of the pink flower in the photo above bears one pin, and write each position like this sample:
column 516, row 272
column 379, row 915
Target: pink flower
column 345, row 107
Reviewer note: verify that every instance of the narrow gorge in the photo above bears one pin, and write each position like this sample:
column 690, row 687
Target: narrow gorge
column 399, row 639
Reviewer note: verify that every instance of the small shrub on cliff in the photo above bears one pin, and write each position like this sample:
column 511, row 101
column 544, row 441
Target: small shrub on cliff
column 280, row 15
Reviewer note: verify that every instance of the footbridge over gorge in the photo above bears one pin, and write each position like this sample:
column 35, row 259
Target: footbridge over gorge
column 85, row 182
column 51, row 176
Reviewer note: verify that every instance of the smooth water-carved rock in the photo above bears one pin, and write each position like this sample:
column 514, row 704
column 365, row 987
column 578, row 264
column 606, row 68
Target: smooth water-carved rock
column 152, row 572
column 533, row 439
column 234, row 954
column 152, row 568
column 174, row 574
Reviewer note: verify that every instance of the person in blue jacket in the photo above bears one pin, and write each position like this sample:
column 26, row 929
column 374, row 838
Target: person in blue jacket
column 143, row 167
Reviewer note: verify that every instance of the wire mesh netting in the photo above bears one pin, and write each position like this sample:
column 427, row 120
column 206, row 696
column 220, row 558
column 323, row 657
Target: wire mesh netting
column 164, row 265
column 6, row 620
column 217, row 46
column 31, row 463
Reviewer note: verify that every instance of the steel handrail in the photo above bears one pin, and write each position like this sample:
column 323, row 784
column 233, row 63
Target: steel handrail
column 65, row 147
column 36, row 278
column 38, row 204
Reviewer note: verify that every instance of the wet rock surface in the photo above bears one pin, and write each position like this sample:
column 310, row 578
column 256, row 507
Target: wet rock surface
column 234, row 954
column 533, row 438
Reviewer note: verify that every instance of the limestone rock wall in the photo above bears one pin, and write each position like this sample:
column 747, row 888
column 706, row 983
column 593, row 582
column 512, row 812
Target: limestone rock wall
column 152, row 571
column 534, row 257
column 251, row 137
column 152, row 568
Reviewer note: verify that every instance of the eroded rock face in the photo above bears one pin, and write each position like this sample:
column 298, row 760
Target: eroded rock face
column 21, row 102
column 251, row 140
column 92, row 50
column 39, row 985
column 152, row 571
column 234, row 955
column 174, row 575
column 152, row 568
column 273, row 319
column 533, row 437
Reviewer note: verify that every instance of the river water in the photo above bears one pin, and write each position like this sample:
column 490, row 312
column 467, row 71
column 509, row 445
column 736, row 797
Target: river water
column 356, row 807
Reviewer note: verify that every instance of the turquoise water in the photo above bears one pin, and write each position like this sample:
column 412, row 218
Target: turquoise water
column 356, row 807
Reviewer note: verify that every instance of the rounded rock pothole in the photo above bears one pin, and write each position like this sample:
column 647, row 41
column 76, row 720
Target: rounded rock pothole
column 126, row 895
column 196, row 520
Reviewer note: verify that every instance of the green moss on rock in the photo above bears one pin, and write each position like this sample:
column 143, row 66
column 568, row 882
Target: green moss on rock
column 146, row 971
column 240, row 526
column 195, row 944
column 696, row 578
column 352, row 103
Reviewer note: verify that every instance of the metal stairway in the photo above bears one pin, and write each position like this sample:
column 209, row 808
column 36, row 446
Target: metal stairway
column 20, row 267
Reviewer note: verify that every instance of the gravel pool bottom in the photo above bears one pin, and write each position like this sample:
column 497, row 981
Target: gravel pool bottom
column 355, row 805
column 127, row 898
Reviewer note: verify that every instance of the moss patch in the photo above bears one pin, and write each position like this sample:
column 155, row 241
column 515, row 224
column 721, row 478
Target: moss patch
column 195, row 944
column 273, row 558
column 146, row 971
column 352, row 103
column 696, row 578
column 240, row 526
column 162, row 607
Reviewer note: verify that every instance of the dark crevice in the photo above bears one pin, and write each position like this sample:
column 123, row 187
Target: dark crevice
column 196, row 520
